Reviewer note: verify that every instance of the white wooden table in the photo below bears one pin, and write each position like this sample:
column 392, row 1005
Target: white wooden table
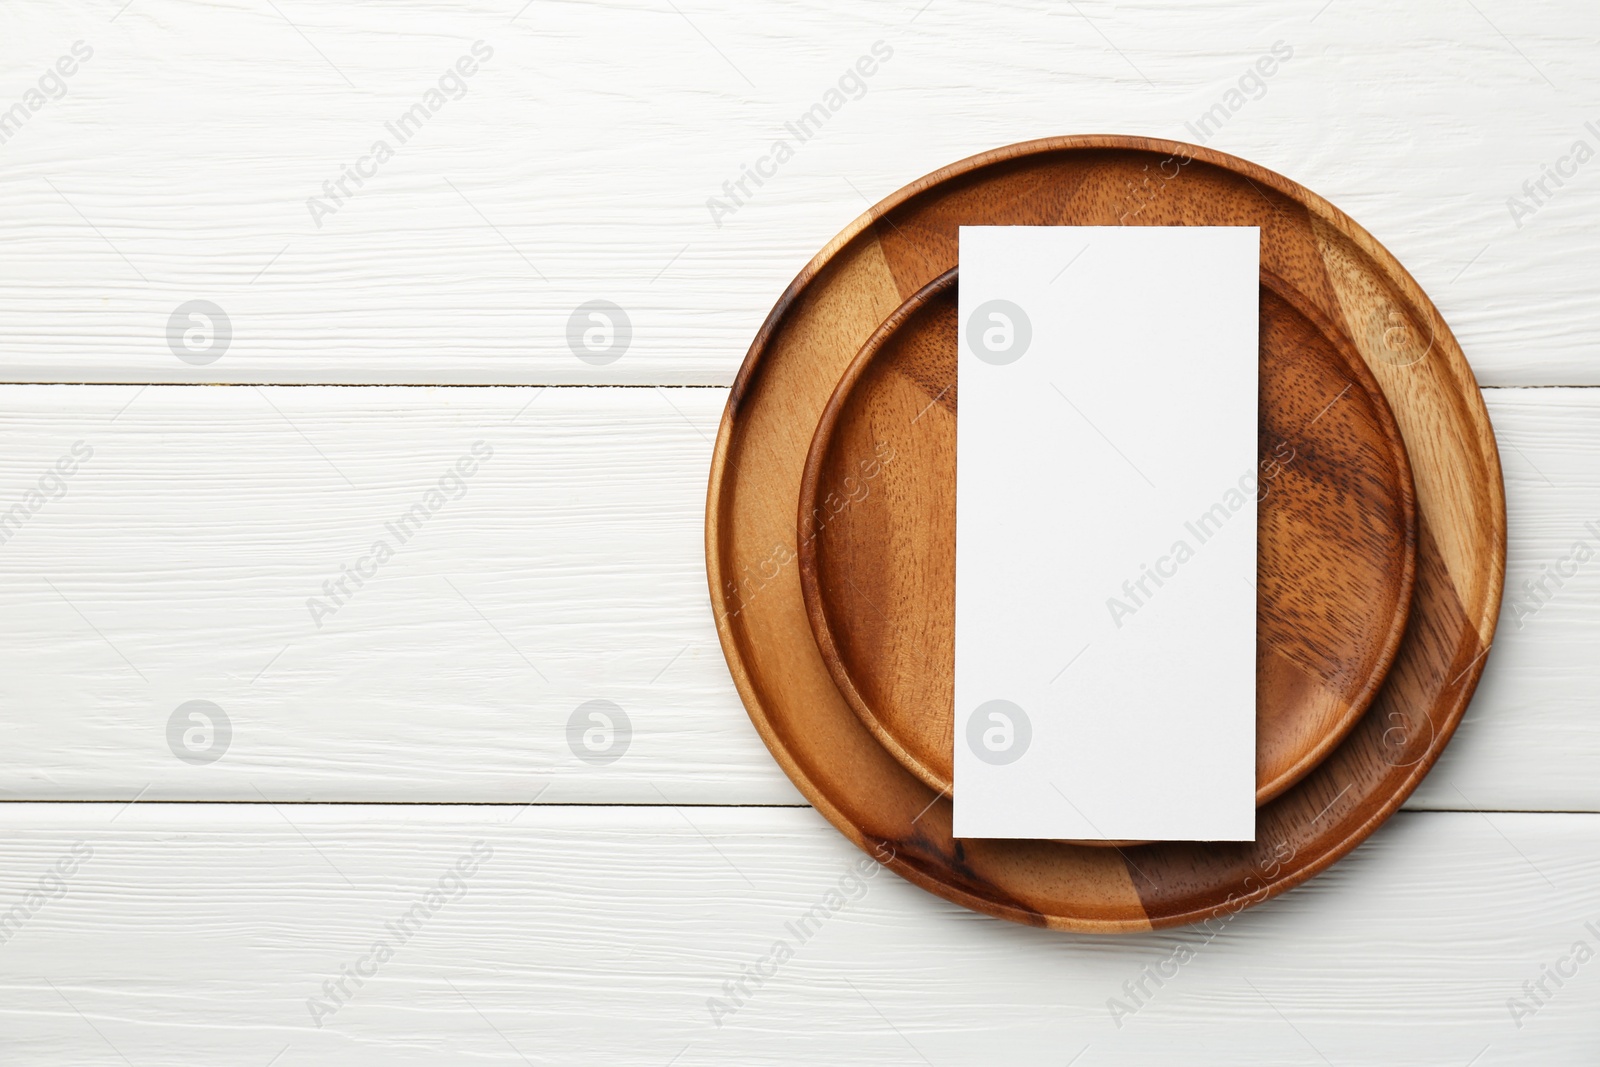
column 396, row 766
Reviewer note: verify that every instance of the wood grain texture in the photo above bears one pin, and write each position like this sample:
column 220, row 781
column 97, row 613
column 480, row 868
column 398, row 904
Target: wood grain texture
column 1336, row 540
column 178, row 166
column 203, row 523
column 181, row 561
column 184, row 153
column 197, row 935
column 1332, row 266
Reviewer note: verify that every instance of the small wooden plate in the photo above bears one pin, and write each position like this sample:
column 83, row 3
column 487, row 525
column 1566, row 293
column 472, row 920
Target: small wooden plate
column 819, row 325
column 1336, row 536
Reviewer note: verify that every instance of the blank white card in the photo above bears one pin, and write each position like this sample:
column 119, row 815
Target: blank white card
column 1106, row 533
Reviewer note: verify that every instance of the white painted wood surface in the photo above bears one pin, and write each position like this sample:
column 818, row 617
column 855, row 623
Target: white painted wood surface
column 578, row 164
column 177, row 164
column 180, row 562
column 198, row 934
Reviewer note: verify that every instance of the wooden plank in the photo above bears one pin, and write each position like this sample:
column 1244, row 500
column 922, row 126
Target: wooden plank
column 1534, row 708
column 188, row 561
column 201, row 934
column 586, row 157
column 179, row 563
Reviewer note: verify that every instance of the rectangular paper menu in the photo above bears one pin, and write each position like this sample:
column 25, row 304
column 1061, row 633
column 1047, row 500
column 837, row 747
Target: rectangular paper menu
column 1106, row 455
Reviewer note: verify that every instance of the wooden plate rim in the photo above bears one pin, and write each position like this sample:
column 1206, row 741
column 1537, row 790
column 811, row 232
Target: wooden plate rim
column 1466, row 392
column 806, row 546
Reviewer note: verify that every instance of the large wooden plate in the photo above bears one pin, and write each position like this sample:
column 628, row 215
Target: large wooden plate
column 856, row 282
column 1335, row 547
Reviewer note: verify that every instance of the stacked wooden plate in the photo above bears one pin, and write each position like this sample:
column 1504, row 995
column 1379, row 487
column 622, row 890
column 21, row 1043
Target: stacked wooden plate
column 831, row 515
